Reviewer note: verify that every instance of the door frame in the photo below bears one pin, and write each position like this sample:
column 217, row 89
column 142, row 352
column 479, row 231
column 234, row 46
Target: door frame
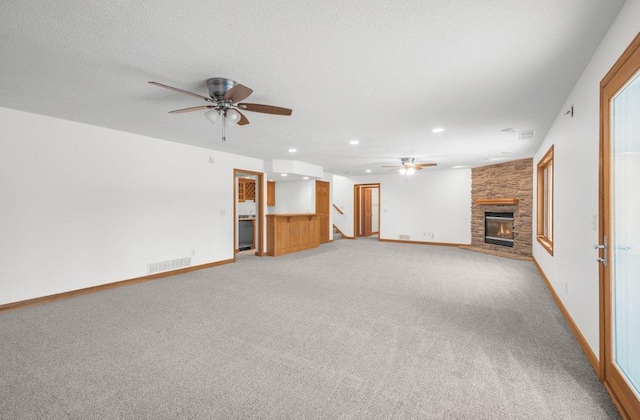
column 260, row 219
column 625, row 67
column 357, row 214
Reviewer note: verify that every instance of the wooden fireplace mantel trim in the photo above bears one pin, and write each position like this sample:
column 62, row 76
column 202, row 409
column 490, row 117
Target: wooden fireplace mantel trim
column 496, row 201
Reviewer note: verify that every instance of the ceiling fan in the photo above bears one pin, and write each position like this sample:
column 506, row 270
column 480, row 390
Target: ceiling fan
column 409, row 166
column 224, row 100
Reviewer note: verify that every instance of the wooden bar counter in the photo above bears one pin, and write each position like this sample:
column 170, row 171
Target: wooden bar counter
column 287, row 233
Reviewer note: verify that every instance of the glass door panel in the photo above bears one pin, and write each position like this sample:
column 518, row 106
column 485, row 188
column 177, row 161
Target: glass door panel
column 625, row 240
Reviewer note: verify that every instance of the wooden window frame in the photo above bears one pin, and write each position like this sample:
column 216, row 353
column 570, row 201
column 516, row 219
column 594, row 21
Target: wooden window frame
column 545, row 200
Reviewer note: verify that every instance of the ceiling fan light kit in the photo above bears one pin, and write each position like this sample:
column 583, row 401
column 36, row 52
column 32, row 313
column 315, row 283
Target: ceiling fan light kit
column 232, row 117
column 212, row 115
column 224, row 99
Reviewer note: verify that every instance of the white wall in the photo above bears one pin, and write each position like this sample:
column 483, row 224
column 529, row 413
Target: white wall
column 85, row 205
column 342, row 196
column 293, row 167
column 572, row 270
column 294, row 197
column 247, row 207
column 375, row 209
column 434, row 206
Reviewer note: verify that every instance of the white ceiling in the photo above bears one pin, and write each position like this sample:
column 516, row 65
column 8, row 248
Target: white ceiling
column 384, row 73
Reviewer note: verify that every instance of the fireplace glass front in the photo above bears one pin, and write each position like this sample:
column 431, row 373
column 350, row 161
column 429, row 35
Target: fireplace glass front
column 498, row 228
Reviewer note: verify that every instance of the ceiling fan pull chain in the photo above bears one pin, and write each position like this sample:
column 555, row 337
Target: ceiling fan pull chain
column 224, row 122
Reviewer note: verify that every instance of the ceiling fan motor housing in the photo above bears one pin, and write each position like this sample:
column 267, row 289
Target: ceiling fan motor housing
column 219, row 86
column 407, row 161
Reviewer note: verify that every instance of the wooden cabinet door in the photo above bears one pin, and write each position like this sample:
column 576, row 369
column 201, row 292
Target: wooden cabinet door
column 241, row 198
column 322, row 210
column 366, row 211
column 271, row 193
column 250, row 190
column 246, row 189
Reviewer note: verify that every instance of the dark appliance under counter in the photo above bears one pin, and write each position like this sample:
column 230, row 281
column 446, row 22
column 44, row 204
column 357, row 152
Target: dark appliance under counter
column 245, row 233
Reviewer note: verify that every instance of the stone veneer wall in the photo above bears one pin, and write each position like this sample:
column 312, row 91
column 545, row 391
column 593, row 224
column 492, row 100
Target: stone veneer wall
column 505, row 180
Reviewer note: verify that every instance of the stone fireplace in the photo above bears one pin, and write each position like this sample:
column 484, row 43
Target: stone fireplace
column 503, row 189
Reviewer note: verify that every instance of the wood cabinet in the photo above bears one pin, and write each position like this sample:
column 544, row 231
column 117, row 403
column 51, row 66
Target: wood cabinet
column 240, row 190
column 250, row 190
column 287, row 233
column 246, row 189
column 322, row 210
column 271, row 193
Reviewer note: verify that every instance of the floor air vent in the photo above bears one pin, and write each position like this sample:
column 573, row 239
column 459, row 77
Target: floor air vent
column 158, row 267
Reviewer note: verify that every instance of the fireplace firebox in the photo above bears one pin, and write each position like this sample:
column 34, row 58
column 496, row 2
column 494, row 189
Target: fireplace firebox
column 498, row 228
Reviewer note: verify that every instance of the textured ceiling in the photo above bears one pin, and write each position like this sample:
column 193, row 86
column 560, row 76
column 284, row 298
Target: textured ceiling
column 384, row 73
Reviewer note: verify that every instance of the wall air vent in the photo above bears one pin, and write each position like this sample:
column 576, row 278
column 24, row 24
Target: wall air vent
column 158, row 267
column 526, row 134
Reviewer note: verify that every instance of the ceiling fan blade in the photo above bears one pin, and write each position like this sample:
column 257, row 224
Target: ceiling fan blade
column 182, row 91
column 425, row 165
column 193, row 108
column 238, row 93
column 391, row 166
column 265, row 109
column 243, row 119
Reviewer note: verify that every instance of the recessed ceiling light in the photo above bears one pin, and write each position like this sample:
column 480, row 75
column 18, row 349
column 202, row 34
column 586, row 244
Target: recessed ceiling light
column 458, row 167
column 438, row 130
column 508, row 152
column 292, row 150
column 305, row 177
column 354, row 142
column 284, row 174
column 368, row 170
column 508, row 130
column 493, row 159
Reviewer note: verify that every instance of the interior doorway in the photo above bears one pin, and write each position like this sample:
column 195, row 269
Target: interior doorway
column 366, row 210
column 248, row 212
